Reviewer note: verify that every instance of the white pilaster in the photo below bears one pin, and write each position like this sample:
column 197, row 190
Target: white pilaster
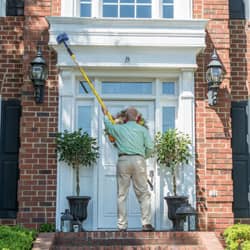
column 66, row 118
column 2, row 7
column 186, row 125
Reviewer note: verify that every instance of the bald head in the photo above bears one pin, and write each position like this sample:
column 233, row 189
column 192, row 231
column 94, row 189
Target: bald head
column 132, row 114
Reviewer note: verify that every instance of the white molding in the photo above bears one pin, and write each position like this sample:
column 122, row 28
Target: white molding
column 247, row 9
column 129, row 32
column 105, row 43
column 2, row 8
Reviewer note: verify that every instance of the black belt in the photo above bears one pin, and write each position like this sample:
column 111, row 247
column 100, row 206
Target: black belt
column 129, row 155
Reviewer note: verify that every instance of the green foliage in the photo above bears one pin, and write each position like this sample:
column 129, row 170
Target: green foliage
column 172, row 149
column 245, row 245
column 47, row 227
column 77, row 149
column 16, row 238
column 237, row 237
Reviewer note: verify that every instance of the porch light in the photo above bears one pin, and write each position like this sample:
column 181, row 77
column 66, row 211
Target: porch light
column 214, row 77
column 187, row 214
column 38, row 75
column 66, row 221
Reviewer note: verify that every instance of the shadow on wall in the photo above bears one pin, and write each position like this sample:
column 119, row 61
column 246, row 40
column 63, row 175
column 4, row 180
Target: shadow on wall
column 213, row 134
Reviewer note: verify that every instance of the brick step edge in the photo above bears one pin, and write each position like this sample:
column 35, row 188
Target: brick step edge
column 127, row 242
column 208, row 239
column 171, row 247
column 145, row 247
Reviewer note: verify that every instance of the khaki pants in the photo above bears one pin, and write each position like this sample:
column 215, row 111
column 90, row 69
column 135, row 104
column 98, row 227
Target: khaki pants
column 132, row 168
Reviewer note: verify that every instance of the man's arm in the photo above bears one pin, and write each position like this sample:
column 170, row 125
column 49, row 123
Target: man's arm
column 111, row 128
column 149, row 145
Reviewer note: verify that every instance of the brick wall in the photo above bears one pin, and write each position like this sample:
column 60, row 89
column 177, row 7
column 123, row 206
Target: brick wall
column 37, row 157
column 38, row 166
column 11, row 55
column 213, row 128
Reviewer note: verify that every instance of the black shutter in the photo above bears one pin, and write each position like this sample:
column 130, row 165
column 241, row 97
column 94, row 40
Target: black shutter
column 236, row 9
column 241, row 169
column 9, row 148
column 15, row 7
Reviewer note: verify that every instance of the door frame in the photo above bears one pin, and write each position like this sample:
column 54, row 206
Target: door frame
column 183, row 100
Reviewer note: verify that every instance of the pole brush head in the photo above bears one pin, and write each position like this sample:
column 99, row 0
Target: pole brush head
column 63, row 37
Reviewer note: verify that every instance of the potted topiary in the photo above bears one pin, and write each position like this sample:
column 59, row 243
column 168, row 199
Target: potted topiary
column 172, row 150
column 77, row 149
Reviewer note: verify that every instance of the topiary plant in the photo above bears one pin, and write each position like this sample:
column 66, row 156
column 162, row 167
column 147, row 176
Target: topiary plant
column 77, row 149
column 172, row 149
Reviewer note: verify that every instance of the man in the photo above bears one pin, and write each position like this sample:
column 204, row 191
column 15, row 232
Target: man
column 134, row 145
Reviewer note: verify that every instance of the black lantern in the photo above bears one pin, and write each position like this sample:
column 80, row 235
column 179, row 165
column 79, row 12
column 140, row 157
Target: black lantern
column 66, row 221
column 187, row 214
column 38, row 75
column 214, row 77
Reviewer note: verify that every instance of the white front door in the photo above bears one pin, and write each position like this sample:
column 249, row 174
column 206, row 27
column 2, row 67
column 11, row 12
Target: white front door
column 107, row 191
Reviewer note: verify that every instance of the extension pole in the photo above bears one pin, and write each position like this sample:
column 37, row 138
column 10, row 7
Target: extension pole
column 62, row 38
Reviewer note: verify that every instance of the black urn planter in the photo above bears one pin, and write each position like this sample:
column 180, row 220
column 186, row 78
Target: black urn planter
column 174, row 202
column 78, row 207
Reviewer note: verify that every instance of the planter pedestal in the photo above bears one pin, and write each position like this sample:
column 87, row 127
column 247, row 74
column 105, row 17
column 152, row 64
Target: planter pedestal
column 174, row 202
column 78, row 207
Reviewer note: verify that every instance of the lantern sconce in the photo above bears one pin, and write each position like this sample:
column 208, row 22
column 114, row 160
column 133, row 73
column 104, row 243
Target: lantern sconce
column 214, row 77
column 38, row 75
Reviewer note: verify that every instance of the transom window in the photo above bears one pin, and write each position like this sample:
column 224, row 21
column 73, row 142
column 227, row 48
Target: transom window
column 131, row 88
column 127, row 8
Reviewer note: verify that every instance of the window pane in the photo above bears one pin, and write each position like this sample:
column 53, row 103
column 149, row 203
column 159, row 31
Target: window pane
column 127, row 1
column 168, row 11
column 168, row 88
column 127, row 11
column 85, row 10
column 132, row 88
column 84, row 118
column 143, row 1
column 83, row 91
column 110, row 11
column 143, row 11
column 168, row 118
column 110, row 1
column 168, row 1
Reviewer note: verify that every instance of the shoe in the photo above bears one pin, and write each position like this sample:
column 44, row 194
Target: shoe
column 122, row 229
column 147, row 228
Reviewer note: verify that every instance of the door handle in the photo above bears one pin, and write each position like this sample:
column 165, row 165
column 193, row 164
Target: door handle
column 151, row 181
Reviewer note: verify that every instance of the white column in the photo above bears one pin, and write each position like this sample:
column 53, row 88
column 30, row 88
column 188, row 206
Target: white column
column 65, row 121
column 186, row 124
column 2, row 7
column 247, row 9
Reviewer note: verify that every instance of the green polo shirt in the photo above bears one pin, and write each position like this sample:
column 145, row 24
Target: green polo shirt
column 130, row 138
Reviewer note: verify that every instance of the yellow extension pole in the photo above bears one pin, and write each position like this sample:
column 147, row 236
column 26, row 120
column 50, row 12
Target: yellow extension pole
column 91, row 85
